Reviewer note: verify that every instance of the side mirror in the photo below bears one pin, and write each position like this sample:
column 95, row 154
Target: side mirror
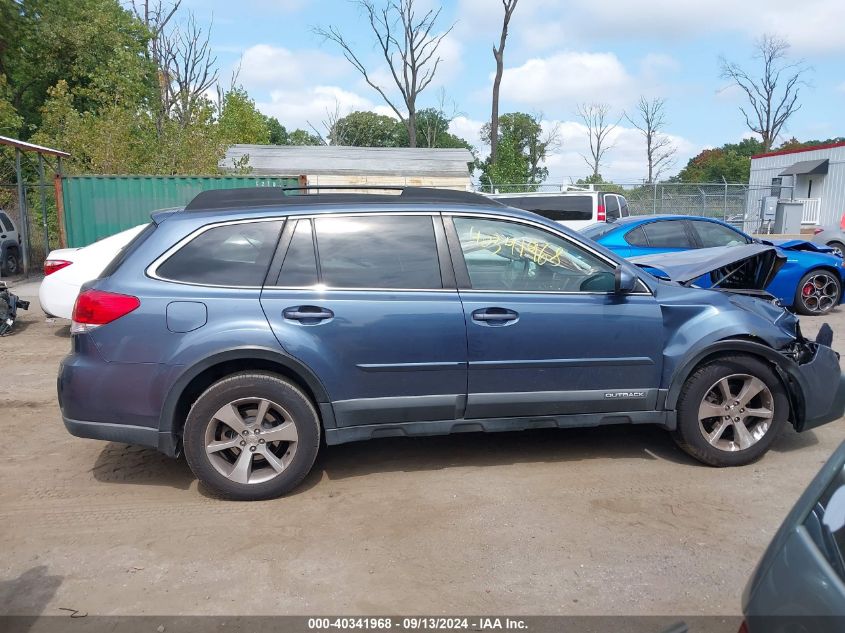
column 624, row 281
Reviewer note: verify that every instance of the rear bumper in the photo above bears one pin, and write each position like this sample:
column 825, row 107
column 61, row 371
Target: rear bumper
column 123, row 433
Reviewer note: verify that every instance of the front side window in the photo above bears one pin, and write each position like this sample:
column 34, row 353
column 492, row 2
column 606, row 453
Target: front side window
column 667, row 234
column 712, row 234
column 504, row 256
column 379, row 251
column 228, row 255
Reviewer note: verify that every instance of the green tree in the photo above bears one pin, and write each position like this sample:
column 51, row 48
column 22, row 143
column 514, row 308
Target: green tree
column 731, row 161
column 278, row 133
column 302, row 137
column 521, row 149
column 240, row 121
column 95, row 46
column 366, row 129
column 433, row 131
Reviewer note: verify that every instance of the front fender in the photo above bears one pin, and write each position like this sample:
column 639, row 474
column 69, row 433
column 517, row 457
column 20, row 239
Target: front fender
column 725, row 347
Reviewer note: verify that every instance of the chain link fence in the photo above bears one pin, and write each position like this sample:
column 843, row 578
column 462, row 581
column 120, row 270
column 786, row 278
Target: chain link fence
column 735, row 203
column 43, row 232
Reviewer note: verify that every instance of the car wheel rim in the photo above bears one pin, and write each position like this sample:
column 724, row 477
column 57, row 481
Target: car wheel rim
column 736, row 412
column 12, row 264
column 837, row 250
column 251, row 440
column 819, row 293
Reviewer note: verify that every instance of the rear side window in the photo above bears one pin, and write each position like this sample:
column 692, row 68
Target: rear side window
column 396, row 252
column 300, row 265
column 557, row 208
column 6, row 222
column 229, row 255
column 667, row 234
column 636, row 237
column 625, row 211
column 611, row 208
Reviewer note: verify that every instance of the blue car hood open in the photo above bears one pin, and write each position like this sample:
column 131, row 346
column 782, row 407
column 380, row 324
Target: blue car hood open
column 742, row 267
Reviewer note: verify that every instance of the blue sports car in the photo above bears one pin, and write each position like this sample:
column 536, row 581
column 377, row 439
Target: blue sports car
column 810, row 281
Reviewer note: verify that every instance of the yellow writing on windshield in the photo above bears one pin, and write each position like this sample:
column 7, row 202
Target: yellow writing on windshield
column 538, row 251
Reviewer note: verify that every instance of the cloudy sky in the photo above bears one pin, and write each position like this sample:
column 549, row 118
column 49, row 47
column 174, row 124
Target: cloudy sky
column 559, row 54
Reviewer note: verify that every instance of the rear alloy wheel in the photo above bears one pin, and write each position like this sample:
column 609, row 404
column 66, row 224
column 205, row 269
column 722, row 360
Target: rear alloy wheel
column 730, row 411
column 252, row 436
column 818, row 292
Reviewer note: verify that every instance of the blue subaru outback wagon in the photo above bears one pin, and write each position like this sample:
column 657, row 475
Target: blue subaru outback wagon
column 248, row 326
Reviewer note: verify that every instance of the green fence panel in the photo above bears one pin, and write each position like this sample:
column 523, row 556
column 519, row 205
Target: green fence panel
column 98, row 206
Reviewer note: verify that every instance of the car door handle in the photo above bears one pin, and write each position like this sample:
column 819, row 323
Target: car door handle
column 494, row 315
column 307, row 313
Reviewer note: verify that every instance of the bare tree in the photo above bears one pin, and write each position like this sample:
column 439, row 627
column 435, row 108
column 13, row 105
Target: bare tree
column 499, row 56
column 335, row 134
column 650, row 121
column 596, row 116
column 189, row 69
column 773, row 95
column 409, row 47
column 156, row 15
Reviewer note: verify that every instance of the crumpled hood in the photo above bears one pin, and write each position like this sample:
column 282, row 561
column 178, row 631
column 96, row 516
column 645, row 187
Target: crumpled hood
column 744, row 267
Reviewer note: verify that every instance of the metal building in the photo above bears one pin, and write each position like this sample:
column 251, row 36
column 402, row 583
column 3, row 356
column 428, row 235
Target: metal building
column 813, row 176
column 341, row 165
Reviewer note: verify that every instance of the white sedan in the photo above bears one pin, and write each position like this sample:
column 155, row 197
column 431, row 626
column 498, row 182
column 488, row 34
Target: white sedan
column 66, row 269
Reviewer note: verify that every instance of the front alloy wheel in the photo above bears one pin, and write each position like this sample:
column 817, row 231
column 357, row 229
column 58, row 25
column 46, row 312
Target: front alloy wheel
column 730, row 410
column 736, row 412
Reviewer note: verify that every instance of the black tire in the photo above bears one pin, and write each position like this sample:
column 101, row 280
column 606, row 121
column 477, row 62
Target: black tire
column 821, row 300
column 837, row 246
column 287, row 404
column 11, row 264
column 704, row 383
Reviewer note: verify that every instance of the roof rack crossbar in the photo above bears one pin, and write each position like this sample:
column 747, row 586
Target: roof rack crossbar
column 271, row 196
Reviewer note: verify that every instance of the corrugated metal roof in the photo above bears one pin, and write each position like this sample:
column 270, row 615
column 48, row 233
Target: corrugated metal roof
column 335, row 159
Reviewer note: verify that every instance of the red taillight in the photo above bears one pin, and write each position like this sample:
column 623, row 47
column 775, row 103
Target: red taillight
column 602, row 216
column 52, row 265
column 842, row 222
column 743, row 628
column 95, row 307
column 817, row 231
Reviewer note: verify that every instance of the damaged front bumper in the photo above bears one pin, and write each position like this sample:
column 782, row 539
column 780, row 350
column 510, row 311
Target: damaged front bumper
column 818, row 394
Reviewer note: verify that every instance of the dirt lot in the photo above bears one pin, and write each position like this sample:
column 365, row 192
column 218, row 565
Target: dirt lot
column 551, row 522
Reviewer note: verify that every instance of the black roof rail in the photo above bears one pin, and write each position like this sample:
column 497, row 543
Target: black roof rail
column 273, row 196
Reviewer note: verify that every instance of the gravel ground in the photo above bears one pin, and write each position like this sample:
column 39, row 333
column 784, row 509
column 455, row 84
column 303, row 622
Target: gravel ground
column 611, row 520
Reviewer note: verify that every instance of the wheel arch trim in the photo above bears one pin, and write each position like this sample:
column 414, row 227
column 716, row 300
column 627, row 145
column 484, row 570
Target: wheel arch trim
column 167, row 420
column 784, row 366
